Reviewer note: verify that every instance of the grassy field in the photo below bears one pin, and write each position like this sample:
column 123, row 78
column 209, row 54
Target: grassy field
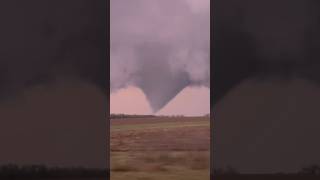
column 160, row 148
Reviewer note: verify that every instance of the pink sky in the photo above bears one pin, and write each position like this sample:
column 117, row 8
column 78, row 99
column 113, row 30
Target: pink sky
column 191, row 101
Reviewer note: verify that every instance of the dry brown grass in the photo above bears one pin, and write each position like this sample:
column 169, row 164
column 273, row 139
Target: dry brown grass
column 199, row 161
column 159, row 161
column 123, row 166
column 161, row 149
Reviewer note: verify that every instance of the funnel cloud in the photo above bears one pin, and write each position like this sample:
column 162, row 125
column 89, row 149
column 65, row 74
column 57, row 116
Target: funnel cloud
column 160, row 46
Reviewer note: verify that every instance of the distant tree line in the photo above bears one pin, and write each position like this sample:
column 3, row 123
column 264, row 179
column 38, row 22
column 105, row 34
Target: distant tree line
column 42, row 171
column 126, row 116
column 121, row 116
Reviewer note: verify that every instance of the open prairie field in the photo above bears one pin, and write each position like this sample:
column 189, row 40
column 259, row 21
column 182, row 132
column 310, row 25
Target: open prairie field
column 160, row 148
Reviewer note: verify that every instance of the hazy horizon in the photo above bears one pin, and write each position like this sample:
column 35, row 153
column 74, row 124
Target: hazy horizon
column 191, row 101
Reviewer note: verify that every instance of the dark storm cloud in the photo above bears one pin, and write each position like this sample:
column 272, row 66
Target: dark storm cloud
column 53, row 74
column 160, row 46
column 42, row 40
column 264, row 39
column 265, row 78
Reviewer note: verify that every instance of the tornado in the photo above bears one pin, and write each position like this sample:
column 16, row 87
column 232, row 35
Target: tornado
column 159, row 46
